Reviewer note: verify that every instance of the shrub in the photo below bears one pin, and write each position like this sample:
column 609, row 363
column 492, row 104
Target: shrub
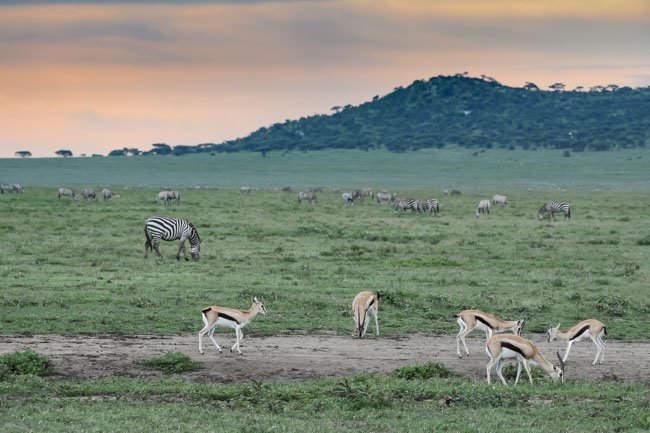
column 423, row 371
column 21, row 363
column 173, row 362
column 644, row 241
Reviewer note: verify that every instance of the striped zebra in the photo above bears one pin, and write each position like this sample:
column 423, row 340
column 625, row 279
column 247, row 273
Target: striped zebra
column 384, row 196
column 165, row 197
column 88, row 193
column 170, row 229
column 67, row 192
column 552, row 207
column 307, row 195
column 483, row 208
column 501, row 200
column 431, row 205
column 107, row 194
column 348, row 198
column 409, row 203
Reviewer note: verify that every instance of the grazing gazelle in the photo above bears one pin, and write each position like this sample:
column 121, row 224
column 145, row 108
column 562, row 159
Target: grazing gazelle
column 363, row 304
column 229, row 317
column 468, row 320
column 591, row 328
column 506, row 346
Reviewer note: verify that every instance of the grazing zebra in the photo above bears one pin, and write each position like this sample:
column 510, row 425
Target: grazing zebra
column 88, row 194
column 107, row 194
column 554, row 207
column 501, row 200
column 348, row 198
column 483, row 208
column 67, row 192
column 431, row 205
column 307, row 195
column 245, row 189
column 404, row 204
column 384, row 196
column 164, row 197
column 367, row 192
column 170, row 229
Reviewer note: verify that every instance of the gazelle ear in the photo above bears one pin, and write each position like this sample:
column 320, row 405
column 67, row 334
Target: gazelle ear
column 255, row 299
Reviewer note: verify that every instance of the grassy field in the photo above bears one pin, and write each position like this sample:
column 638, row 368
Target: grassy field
column 78, row 267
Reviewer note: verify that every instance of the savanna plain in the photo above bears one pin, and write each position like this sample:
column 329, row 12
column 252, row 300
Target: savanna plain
column 94, row 338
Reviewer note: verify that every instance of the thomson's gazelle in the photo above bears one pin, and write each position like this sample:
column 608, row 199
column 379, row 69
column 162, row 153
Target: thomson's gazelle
column 364, row 303
column 506, row 346
column 220, row 316
column 469, row 320
column 591, row 328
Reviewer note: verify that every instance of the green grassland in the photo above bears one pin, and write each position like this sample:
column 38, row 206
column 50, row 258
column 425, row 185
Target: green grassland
column 78, row 267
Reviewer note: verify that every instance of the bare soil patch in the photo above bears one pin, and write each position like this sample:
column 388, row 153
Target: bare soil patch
column 298, row 357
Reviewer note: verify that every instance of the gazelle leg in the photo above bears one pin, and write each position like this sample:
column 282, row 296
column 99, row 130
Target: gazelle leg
column 236, row 345
column 460, row 336
column 602, row 349
column 518, row 371
column 527, row 367
column 568, row 349
column 489, row 369
column 374, row 311
column 214, row 340
column 499, row 369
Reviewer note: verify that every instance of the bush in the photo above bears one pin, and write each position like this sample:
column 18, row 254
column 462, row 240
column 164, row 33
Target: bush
column 173, row 362
column 423, row 371
column 644, row 241
column 21, row 363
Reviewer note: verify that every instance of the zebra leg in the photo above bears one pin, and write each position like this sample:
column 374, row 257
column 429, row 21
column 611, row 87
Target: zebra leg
column 156, row 244
column 147, row 247
column 181, row 247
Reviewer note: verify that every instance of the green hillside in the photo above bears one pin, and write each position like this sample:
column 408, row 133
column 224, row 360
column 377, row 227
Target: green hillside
column 467, row 112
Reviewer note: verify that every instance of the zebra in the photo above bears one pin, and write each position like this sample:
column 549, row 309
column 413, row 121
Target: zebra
column 431, row 205
column 404, row 204
column 483, row 208
column 170, row 229
column 5, row 188
column 307, row 195
column 17, row 188
column 164, row 197
column 107, row 194
column 500, row 200
column 384, row 196
column 67, row 192
column 367, row 192
column 348, row 198
column 552, row 207
column 88, row 193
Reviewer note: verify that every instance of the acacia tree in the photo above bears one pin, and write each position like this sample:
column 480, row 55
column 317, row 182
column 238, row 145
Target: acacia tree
column 23, row 153
column 64, row 153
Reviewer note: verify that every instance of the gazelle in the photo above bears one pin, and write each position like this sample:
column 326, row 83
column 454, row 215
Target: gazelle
column 591, row 328
column 468, row 320
column 506, row 346
column 363, row 304
column 229, row 317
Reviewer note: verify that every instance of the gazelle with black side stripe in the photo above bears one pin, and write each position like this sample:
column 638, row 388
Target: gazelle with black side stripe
column 364, row 304
column 468, row 320
column 228, row 317
column 590, row 328
column 170, row 229
column 553, row 207
column 506, row 346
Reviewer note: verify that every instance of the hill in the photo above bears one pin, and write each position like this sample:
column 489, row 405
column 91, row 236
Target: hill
column 463, row 111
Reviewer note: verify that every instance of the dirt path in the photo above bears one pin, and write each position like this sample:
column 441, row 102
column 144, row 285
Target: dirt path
column 305, row 356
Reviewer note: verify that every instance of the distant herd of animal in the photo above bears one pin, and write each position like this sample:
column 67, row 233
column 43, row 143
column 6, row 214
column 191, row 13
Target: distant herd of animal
column 499, row 347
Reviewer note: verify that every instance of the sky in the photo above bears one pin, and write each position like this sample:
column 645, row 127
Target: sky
column 94, row 76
